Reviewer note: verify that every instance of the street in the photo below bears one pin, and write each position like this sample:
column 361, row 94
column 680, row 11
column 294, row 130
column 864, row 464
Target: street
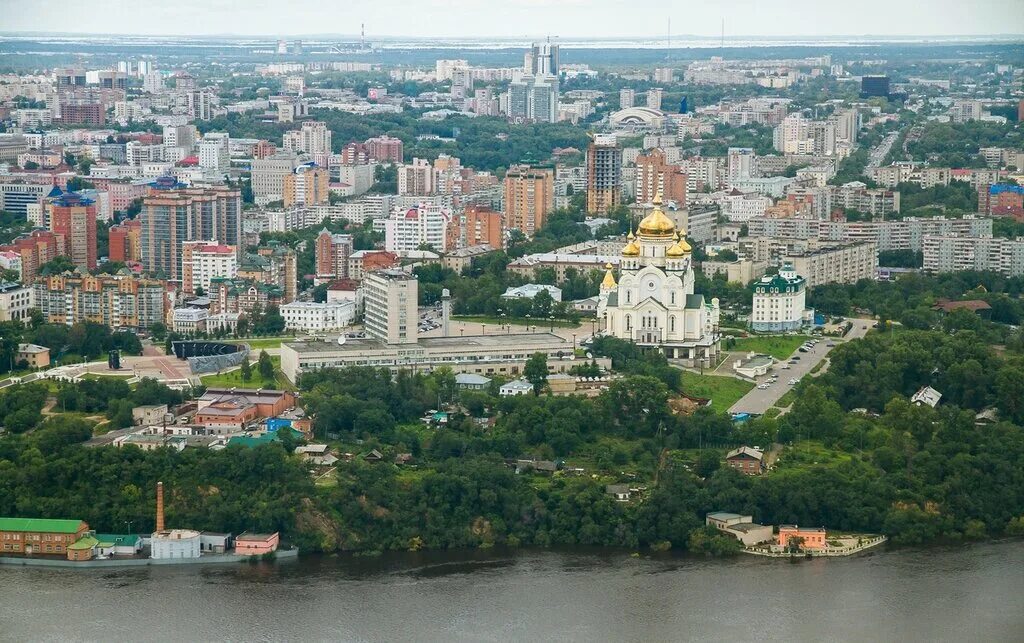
column 758, row 401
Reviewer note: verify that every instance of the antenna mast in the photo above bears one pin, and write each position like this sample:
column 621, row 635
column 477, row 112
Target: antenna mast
column 723, row 33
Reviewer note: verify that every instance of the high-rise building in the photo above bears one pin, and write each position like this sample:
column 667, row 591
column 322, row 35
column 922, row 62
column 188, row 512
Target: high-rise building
column 627, row 97
column 793, row 135
column 654, row 97
column 332, row 252
column 202, row 261
column 416, row 178
column 33, row 250
column 200, row 105
column 390, row 297
column 482, row 226
column 73, row 219
column 385, row 149
column 541, row 59
column 847, row 124
column 964, row 110
column 409, row 229
column 740, row 163
column 313, row 139
column 664, row 75
column 268, row 175
column 215, row 153
column 604, row 174
column 125, row 241
column 533, row 98
column 114, row 301
column 307, row 185
column 153, row 82
column 172, row 215
column 655, row 176
column 529, row 197
column 874, row 86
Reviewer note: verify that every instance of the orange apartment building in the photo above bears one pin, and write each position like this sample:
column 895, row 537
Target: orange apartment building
column 482, row 226
column 126, row 241
column 654, row 174
column 529, row 197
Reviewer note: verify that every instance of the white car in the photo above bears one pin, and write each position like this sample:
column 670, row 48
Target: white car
column 793, row 381
column 763, row 386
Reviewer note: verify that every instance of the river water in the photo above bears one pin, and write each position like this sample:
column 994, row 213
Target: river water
column 971, row 593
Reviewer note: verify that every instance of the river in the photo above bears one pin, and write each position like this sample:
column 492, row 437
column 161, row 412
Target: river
column 966, row 593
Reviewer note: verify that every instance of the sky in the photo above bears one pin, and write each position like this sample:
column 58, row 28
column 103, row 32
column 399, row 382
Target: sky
column 517, row 18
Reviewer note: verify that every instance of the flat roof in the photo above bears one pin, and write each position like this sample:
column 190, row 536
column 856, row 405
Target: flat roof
column 40, row 525
column 747, row 526
column 510, row 340
column 723, row 515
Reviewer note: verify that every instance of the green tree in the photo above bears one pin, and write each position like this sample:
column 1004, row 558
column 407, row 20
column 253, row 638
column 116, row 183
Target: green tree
column 266, row 367
column 246, row 371
column 536, row 372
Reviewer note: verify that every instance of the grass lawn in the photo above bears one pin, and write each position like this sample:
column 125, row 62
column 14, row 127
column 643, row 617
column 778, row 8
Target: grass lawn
column 779, row 347
column 723, row 391
column 234, row 378
column 515, row 321
column 96, row 376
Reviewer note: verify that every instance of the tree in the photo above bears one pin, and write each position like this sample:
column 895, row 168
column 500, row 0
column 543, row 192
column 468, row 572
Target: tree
column 536, row 372
column 246, row 371
column 266, row 367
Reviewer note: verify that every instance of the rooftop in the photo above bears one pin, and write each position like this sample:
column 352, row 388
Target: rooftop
column 40, row 525
column 513, row 340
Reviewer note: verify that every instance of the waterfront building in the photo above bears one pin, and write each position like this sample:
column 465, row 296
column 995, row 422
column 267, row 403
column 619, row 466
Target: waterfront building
column 654, row 302
column 247, row 544
column 40, row 536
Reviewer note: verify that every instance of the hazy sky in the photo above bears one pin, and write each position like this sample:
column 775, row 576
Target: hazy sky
column 514, row 18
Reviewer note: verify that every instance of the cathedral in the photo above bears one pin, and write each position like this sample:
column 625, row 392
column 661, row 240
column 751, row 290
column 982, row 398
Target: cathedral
column 653, row 303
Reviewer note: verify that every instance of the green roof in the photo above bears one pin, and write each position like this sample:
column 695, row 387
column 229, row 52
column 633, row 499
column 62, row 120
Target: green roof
column 118, row 539
column 266, row 438
column 40, row 525
column 85, row 542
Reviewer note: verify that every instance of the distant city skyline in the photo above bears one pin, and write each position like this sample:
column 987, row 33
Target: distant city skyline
column 517, row 18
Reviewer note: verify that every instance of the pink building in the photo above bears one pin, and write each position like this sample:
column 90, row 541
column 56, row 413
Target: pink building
column 256, row 544
column 812, row 538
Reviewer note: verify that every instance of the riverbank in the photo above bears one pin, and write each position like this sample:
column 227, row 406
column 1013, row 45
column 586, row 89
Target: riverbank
column 206, row 559
column 829, row 552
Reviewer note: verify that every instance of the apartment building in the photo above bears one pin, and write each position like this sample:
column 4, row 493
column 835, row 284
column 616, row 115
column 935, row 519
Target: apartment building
column 843, row 264
column 529, row 197
column 112, row 300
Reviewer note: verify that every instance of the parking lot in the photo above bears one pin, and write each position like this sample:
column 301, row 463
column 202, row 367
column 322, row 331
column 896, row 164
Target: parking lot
column 768, row 390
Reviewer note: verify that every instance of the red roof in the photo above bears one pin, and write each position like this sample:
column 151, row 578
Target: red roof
column 412, row 213
column 343, row 284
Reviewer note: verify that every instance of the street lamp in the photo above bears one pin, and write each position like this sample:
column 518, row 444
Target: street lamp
column 551, row 318
column 483, row 329
column 574, row 343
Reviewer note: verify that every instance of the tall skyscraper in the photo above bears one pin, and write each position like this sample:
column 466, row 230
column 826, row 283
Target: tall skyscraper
column 654, row 97
column 627, row 97
column 529, row 197
column 740, row 163
column 541, row 59
column 482, row 226
column 604, row 174
column 215, row 153
column 416, row 178
column 533, row 98
column 313, row 138
column 172, row 215
column 73, row 219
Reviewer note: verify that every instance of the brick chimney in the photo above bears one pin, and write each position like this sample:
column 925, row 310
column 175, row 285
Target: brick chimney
column 159, row 506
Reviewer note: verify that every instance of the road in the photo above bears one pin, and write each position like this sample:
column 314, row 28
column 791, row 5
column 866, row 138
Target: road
column 879, row 153
column 758, row 401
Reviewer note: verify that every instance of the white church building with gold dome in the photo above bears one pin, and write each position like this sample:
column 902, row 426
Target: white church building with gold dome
column 653, row 303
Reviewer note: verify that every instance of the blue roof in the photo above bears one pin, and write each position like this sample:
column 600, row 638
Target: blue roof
column 55, row 192
column 71, row 199
column 999, row 188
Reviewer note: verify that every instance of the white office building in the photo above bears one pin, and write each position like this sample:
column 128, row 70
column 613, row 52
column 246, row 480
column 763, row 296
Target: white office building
column 779, row 302
column 407, row 229
column 317, row 317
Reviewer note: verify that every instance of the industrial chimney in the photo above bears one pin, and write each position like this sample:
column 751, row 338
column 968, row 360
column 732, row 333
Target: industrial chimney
column 446, row 311
column 159, row 506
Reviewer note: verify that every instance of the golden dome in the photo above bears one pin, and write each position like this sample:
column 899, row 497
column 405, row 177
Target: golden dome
column 609, row 278
column 632, row 249
column 679, row 248
column 656, row 223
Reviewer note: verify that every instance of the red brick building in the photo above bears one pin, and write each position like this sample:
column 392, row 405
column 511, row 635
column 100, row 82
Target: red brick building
column 73, row 220
column 746, row 460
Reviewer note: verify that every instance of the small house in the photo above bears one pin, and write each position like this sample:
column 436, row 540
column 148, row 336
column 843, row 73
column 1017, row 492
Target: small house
column 540, row 466
column 373, row 456
column 746, row 460
column 926, row 396
column 515, row 387
column 472, row 382
column 618, row 491
column 35, row 356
